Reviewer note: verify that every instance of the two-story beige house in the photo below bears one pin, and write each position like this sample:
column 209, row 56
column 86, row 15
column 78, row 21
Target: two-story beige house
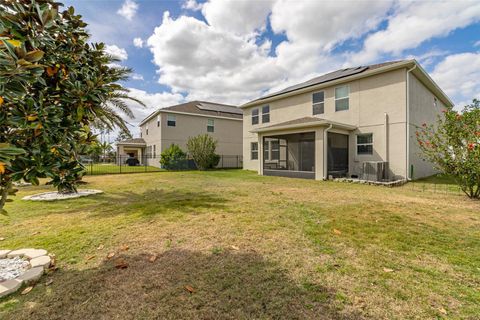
column 175, row 124
column 355, row 122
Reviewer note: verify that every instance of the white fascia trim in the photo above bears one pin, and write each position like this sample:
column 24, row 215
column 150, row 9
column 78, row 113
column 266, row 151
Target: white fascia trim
column 186, row 113
column 304, row 125
column 201, row 115
column 132, row 144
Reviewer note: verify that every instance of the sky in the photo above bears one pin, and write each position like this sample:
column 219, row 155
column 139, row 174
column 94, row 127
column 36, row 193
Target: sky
column 233, row 51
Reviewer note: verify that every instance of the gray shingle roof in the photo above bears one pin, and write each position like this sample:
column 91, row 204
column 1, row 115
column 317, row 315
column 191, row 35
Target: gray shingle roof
column 338, row 74
column 202, row 108
column 206, row 108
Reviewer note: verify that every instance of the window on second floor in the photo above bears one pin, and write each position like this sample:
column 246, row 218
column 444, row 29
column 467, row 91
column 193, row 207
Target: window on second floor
column 158, row 121
column 341, row 98
column 171, row 120
column 255, row 116
column 210, row 125
column 254, row 150
column 318, row 102
column 365, row 144
column 435, row 102
column 265, row 114
column 146, row 130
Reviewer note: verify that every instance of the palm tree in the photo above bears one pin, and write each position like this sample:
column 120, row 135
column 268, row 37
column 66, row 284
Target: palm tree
column 110, row 112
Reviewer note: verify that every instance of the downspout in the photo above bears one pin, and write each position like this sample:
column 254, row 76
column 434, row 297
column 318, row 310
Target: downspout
column 325, row 152
column 407, row 160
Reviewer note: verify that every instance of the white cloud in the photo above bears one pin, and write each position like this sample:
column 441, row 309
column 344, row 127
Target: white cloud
column 458, row 76
column 137, row 76
column 138, row 42
column 153, row 102
column 428, row 58
column 224, row 59
column 477, row 44
column 326, row 22
column 227, row 58
column 192, row 5
column 128, row 9
column 413, row 23
column 116, row 52
column 240, row 17
column 210, row 64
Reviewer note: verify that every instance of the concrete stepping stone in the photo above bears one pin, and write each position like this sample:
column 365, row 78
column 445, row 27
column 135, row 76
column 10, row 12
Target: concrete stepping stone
column 43, row 261
column 17, row 253
column 3, row 253
column 31, row 275
column 34, row 253
column 9, row 286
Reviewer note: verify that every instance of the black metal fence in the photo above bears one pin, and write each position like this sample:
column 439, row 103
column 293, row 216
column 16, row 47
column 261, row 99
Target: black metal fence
column 126, row 164
column 435, row 187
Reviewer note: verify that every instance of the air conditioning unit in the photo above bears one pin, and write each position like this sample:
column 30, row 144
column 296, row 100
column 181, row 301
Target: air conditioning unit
column 375, row 171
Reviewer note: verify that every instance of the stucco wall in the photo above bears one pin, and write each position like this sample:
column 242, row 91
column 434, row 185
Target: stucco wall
column 227, row 132
column 422, row 110
column 369, row 99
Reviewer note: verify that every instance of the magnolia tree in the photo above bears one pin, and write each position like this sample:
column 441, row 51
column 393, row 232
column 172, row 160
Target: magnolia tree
column 54, row 86
column 453, row 145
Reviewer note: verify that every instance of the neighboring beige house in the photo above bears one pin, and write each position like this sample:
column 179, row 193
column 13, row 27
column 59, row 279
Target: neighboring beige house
column 177, row 123
column 355, row 122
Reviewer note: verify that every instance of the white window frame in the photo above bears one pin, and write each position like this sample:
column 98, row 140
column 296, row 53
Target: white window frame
column 435, row 102
column 363, row 144
column 158, row 121
column 253, row 151
column 266, row 150
column 318, row 103
column 266, row 113
column 169, row 119
column 257, row 116
column 347, row 97
column 211, row 124
column 146, row 130
column 272, row 150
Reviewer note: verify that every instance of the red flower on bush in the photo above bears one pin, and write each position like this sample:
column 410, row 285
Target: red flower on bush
column 471, row 146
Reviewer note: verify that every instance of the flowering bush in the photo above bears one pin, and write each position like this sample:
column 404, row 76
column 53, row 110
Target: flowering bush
column 453, row 145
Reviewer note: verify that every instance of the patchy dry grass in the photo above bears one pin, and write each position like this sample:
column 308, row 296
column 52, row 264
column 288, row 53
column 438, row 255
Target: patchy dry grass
column 250, row 247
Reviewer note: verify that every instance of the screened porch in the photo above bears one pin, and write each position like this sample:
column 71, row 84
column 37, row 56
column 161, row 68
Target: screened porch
column 290, row 155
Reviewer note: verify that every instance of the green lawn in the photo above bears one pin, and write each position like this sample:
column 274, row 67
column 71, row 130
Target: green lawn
column 250, row 247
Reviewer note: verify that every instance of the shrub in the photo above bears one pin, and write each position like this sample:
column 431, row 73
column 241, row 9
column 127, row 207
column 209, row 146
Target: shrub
column 202, row 149
column 453, row 145
column 173, row 158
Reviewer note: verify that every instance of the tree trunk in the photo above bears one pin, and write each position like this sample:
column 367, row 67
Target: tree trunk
column 4, row 193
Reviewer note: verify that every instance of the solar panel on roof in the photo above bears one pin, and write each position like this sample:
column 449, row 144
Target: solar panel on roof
column 219, row 108
column 324, row 78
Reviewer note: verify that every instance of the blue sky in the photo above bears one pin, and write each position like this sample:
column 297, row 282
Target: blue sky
column 234, row 51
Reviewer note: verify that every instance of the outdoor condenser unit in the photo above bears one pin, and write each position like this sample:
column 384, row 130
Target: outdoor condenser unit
column 375, row 170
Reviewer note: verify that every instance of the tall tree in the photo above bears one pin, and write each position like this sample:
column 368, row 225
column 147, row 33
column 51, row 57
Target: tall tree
column 53, row 85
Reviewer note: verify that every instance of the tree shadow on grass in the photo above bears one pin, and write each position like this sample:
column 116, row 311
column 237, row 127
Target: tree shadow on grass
column 157, row 201
column 227, row 285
